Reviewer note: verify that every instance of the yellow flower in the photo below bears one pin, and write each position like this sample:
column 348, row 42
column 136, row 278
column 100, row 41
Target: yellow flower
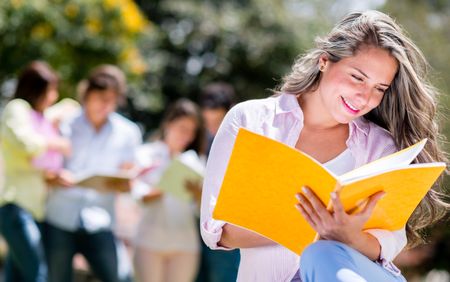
column 132, row 58
column 93, row 25
column 132, row 17
column 41, row 31
column 110, row 4
column 71, row 10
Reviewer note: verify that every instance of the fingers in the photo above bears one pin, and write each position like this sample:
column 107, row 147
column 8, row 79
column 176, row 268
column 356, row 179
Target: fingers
column 370, row 206
column 307, row 210
column 338, row 209
column 317, row 205
column 307, row 216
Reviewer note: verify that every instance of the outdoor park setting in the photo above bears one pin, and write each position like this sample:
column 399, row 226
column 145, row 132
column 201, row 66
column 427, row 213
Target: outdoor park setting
column 156, row 63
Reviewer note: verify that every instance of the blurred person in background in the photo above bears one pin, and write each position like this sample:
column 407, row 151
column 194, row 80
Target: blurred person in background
column 79, row 219
column 166, row 244
column 33, row 154
column 216, row 99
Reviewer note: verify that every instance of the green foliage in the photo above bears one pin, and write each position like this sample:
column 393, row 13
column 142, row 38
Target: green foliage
column 72, row 35
column 250, row 44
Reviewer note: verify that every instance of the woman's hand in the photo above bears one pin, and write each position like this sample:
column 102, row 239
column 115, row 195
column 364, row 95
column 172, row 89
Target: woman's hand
column 152, row 196
column 338, row 225
column 61, row 145
column 194, row 187
column 63, row 178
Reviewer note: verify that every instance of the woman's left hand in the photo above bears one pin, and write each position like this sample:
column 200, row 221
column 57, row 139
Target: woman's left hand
column 337, row 225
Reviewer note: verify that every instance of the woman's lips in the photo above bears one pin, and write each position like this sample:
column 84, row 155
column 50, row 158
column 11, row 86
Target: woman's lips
column 349, row 106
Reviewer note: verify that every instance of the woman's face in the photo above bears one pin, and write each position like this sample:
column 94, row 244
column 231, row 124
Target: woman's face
column 50, row 97
column 180, row 133
column 355, row 85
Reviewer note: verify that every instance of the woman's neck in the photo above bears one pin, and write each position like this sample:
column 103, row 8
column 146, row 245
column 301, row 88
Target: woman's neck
column 172, row 150
column 315, row 115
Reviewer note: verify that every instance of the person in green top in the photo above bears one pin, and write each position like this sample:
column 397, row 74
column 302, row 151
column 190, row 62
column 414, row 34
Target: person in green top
column 32, row 151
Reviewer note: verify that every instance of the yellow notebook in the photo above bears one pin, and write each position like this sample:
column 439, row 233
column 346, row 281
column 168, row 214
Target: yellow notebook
column 263, row 176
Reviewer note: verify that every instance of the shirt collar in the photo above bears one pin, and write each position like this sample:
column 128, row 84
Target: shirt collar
column 88, row 124
column 288, row 103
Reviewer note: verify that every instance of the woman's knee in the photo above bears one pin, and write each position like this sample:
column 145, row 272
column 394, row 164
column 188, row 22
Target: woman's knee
column 319, row 252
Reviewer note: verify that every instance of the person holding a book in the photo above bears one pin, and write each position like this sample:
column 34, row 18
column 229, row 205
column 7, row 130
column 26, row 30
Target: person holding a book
column 80, row 219
column 359, row 95
column 166, row 242
column 32, row 150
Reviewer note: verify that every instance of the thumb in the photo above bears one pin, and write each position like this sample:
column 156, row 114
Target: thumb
column 372, row 202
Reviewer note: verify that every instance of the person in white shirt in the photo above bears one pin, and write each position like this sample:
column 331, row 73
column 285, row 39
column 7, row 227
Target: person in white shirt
column 167, row 243
column 81, row 219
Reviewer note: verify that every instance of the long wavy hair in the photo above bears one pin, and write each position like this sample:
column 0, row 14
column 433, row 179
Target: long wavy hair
column 408, row 109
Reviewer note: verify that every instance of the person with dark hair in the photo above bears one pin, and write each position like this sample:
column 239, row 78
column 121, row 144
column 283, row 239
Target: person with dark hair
column 80, row 220
column 216, row 99
column 167, row 245
column 32, row 150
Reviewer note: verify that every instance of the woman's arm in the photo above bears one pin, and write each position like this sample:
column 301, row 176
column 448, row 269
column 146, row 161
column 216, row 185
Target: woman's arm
column 215, row 233
column 17, row 128
column 235, row 237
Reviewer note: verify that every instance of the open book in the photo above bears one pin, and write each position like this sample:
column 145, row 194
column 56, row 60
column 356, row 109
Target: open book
column 186, row 167
column 263, row 176
column 119, row 182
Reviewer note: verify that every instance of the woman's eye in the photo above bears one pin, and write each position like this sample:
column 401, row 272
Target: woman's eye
column 381, row 90
column 357, row 77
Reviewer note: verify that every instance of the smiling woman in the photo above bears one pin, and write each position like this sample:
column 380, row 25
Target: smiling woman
column 359, row 95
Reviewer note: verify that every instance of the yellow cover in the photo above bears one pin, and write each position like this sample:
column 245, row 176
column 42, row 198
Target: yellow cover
column 263, row 176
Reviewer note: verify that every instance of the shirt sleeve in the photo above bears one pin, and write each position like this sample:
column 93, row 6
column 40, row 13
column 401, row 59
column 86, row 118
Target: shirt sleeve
column 391, row 242
column 211, row 229
column 18, row 128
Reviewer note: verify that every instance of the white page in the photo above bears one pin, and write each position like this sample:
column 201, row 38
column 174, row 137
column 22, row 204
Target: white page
column 400, row 159
column 193, row 161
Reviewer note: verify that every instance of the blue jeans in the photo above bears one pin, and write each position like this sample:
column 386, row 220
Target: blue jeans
column 326, row 261
column 106, row 255
column 25, row 260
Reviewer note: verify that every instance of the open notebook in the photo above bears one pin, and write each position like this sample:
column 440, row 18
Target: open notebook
column 118, row 182
column 263, row 176
column 188, row 166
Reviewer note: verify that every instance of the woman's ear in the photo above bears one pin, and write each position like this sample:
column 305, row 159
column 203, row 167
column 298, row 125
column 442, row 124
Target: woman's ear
column 323, row 62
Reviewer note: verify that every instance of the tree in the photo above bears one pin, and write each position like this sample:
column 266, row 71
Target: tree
column 72, row 35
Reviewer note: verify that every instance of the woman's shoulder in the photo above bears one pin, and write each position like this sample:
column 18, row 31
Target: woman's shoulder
column 253, row 108
column 17, row 105
column 16, row 109
column 153, row 148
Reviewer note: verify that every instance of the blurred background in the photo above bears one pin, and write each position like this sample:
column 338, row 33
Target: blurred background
column 171, row 49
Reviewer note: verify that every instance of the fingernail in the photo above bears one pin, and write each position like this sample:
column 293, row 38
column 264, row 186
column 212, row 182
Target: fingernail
column 298, row 197
column 305, row 190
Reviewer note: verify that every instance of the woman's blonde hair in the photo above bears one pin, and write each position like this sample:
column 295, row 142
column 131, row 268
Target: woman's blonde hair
column 408, row 108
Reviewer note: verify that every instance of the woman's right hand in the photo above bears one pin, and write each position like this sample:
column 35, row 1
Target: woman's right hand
column 152, row 196
column 63, row 178
column 61, row 145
